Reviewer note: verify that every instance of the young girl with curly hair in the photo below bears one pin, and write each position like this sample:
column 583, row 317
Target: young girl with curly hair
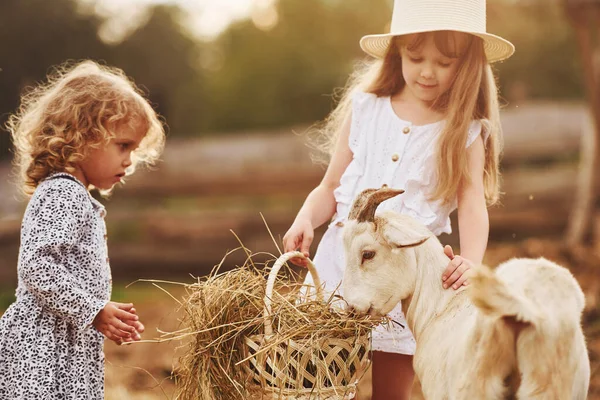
column 87, row 127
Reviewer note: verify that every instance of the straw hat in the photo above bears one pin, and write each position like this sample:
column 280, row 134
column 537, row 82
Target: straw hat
column 414, row 16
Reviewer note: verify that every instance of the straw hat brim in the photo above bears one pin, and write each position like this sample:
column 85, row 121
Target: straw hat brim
column 496, row 48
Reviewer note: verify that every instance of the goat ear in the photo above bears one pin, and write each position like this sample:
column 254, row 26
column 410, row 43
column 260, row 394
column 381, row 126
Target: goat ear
column 400, row 235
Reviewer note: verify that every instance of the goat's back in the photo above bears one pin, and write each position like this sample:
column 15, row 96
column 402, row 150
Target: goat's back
column 550, row 350
column 552, row 288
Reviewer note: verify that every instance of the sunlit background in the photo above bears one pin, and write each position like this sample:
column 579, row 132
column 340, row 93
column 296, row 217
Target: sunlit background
column 240, row 83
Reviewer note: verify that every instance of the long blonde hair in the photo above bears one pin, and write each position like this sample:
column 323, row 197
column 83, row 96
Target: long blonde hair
column 473, row 95
column 60, row 121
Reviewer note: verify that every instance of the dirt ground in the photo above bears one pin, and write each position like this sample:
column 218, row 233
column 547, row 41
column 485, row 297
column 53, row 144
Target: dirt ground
column 143, row 371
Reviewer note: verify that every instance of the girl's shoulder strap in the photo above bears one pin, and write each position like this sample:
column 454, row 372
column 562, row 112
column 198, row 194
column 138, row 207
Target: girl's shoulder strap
column 478, row 127
column 360, row 98
column 362, row 110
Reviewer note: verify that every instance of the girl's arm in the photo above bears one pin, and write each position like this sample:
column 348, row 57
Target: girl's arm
column 320, row 205
column 473, row 222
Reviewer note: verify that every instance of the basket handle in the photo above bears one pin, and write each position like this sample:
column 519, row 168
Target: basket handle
column 271, row 283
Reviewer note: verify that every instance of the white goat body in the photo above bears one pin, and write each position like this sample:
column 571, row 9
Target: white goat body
column 515, row 332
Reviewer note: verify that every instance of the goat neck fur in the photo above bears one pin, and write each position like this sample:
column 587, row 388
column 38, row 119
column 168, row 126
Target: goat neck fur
column 521, row 324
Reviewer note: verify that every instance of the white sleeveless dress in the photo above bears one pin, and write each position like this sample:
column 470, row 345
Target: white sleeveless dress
column 387, row 150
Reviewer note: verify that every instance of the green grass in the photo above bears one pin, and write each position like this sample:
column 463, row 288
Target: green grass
column 138, row 292
column 7, row 297
column 130, row 232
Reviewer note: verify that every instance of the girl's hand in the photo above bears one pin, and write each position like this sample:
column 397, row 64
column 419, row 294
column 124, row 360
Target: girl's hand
column 299, row 236
column 455, row 273
column 139, row 328
column 118, row 323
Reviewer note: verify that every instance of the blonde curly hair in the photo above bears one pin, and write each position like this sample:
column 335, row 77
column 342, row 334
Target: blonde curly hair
column 76, row 110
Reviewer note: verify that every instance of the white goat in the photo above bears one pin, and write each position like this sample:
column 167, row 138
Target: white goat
column 513, row 332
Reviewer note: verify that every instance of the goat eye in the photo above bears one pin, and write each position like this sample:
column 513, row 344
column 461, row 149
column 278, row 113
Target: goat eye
column 367, row 255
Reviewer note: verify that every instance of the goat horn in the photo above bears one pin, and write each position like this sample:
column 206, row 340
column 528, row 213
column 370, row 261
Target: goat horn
column 368, row 200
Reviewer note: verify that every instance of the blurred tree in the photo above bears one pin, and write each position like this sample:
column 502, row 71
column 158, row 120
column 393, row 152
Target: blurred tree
column 160, row 56
column 163, row 57
column 585, row 16
column 286, row 74
column 37, row 34
column 271, row 70
column 546, row 64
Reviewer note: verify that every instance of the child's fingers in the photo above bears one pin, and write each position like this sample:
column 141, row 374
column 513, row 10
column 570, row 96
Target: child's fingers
column 461, row 281
column 307, row 239
column 301, row 262
column 124, row 306
column 450, row 271
column 139, row 327
column 114, row 338
column 287, row 245
column 456, row 275
column 126, row 316
column 118, row 324
column 290, row 242
column 110, row 336
column 452, row 265
column 449, row 252
column 133, row 338
column 111, row 333
column 117, row 333
column 458, row 283
column 464, row 278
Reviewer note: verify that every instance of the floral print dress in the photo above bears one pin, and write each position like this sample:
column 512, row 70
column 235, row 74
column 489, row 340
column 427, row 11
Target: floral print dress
column 48, row 347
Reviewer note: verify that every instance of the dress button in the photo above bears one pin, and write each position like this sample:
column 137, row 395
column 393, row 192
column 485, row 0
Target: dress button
column 395, row 157
column 339, row 224
column 406, row 129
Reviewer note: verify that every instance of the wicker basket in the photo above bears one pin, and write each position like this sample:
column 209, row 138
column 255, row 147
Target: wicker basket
column 298, row 368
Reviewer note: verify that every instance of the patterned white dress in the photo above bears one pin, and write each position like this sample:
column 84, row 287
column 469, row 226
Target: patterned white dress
column 48, row 347
column 387, row 150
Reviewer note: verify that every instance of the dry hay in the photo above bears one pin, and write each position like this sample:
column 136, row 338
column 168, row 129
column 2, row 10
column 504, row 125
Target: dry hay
column 225, row 309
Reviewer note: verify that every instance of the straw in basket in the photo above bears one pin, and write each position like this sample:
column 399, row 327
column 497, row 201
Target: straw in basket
column 316, row 367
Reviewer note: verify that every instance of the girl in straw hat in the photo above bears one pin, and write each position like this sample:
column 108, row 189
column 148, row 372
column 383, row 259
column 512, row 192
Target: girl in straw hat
column 423, row 117
column 86, row 128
